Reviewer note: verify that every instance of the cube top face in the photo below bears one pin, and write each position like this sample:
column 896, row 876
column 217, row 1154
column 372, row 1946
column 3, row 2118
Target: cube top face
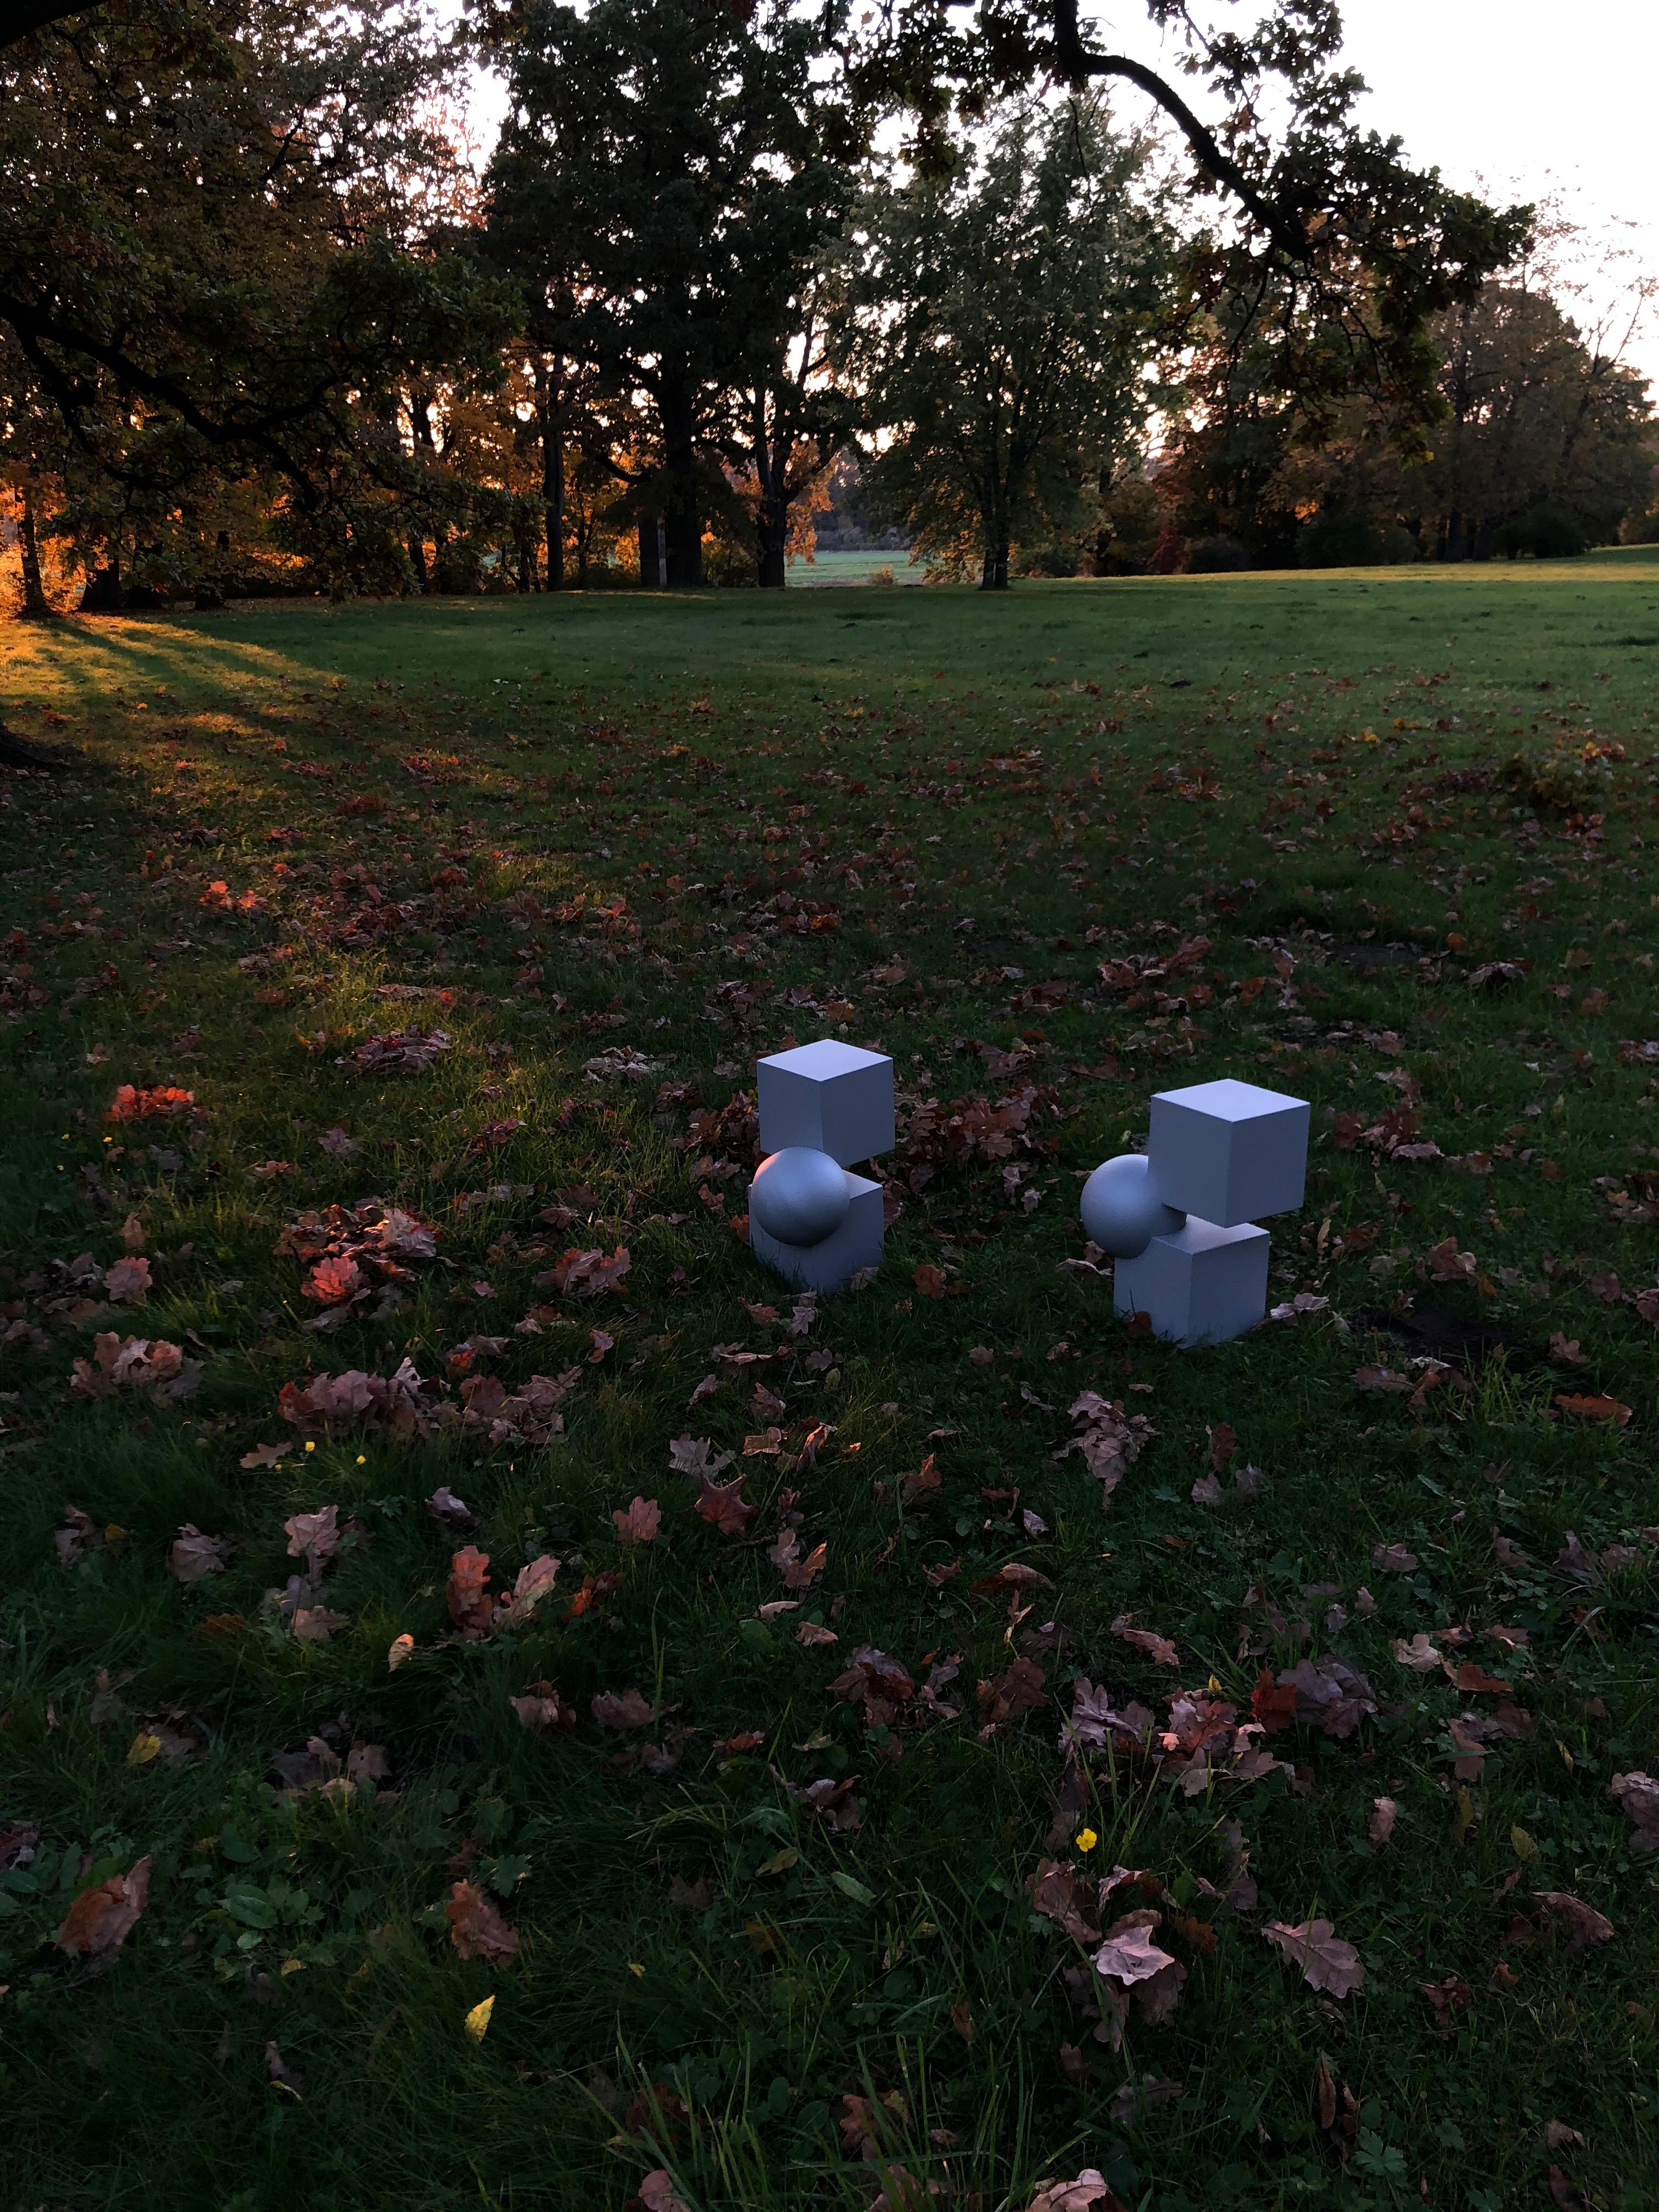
column 825, row 1058
column 1229, row 1152
column 830, row 1096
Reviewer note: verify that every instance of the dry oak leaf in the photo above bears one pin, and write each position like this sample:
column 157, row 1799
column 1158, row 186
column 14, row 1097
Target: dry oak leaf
column 723, row 1504
column 313, row 1537
column 128, row 1282
column 316, row 1623
column 470, row 1607
column 1419, row 1654
column 1380, row 1826
column 624, row 1709
column 1381, row 1378
column 333, row 1280
column 1089, row 2193
column 929, row 1280
column 534, row 1582
column 445, row 1511
column 589, row 1274
column 135, row 1362
column 798, row 1572
column 194, row 1555
column 1016, row 1576
column 1583, row 1923
column 1395, row 1559
column 1326, row 1962
column 1637, row 1795
column 697, row 1455
column 1447, row 1265
column 639, row 1522
column 132, row 1104
column 1147, row 1640
column 1128, row 1954
column 476, row 1928
column 541, row 1708
column 1594, row 1409
column 658, row 2194
column 101, row 1918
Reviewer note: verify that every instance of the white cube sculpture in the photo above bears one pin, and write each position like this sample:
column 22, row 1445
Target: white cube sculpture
column 1228, row 1150
column 835, row 1099
column 827, row 1097
column 828, row 1265
column 1199, row 1285
column 1220, row 1153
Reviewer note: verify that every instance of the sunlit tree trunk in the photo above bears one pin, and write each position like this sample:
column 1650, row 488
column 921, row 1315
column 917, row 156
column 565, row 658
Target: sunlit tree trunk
column 35, row 603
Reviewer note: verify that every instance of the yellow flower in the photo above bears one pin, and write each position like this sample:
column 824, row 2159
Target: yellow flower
column 1086, row 1839
column 361, row 1460
column 311, row 1447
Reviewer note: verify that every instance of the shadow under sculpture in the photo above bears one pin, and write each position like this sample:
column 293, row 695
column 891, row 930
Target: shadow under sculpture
column 822, row 1107
column 1179, row 1219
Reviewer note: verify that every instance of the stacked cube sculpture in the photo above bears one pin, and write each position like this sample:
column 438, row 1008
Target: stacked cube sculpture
column 1179, row 1220
column 822, row 1107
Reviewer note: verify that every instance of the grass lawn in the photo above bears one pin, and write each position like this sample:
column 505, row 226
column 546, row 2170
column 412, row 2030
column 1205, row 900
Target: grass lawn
column 710, row 1875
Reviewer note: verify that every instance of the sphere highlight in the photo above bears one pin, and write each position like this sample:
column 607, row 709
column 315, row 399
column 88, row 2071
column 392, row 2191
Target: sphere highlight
column 799, row 1196
column 1122, row 1209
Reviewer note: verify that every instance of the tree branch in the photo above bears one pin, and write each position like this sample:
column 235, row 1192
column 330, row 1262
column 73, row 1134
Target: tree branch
column 22, row 16
column 1078, row 62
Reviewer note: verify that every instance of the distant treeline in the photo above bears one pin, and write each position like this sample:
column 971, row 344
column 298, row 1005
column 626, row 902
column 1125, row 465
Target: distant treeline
column 267, row 326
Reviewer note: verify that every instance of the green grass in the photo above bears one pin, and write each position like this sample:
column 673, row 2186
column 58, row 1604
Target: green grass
column 993, row 799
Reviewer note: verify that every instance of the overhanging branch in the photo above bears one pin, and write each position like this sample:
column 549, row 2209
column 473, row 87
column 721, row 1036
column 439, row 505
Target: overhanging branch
column 22, row 16
column 1078, row 62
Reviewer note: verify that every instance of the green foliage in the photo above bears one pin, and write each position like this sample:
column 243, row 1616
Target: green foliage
column 1544, row 533
column 216, row 268
column 666, row 176
column 1002, row 322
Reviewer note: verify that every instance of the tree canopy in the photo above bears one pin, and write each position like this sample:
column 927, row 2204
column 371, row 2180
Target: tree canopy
column 258, row 305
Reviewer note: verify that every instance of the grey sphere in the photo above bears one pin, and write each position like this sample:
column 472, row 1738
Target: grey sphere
column 798, row 1195
column 1122, row 1209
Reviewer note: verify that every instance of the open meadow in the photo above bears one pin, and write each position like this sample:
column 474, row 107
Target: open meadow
column 503, row 1706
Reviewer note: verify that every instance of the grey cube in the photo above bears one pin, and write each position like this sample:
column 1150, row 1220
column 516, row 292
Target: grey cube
column 1201, row 1284
column 829, row 1096
column 1229, row 1152
column 827, row 1265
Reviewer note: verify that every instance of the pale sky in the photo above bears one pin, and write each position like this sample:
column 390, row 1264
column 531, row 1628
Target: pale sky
column 1523, row 98
column 1528, row 97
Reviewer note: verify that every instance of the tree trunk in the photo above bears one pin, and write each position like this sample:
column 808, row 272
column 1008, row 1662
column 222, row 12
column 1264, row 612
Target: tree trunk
column 772, row 506
column 1102, row 561
column 35, row 602
column 417, row 562
column 682, row 521
column 683, row 542
column 650, row 553
column 552, row 469
column 994, row 575
column 772, row 548
column 103, row 594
